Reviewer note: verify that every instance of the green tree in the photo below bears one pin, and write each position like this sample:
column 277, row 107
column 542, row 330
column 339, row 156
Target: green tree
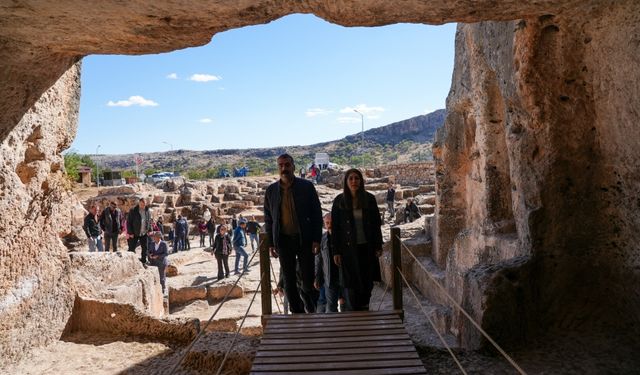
column 73, row 161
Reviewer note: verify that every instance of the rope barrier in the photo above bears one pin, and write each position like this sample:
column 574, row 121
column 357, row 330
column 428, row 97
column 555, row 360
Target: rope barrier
column 235, row 337
column 433, row 325
column 457, row 305
column 202, row 330
column 273, row 274
column 384, row 294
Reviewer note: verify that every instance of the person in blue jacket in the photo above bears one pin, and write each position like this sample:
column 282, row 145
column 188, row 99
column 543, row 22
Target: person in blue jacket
column 239, row 244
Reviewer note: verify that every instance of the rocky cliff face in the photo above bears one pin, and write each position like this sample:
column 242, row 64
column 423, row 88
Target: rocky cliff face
column 37, row 208
column 537, row 179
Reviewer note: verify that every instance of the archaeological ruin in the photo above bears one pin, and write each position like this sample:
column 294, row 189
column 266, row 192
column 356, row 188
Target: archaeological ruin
column 536, row 225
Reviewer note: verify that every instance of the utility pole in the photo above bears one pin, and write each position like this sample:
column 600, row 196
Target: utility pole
column 97, row 168
column 361, row 137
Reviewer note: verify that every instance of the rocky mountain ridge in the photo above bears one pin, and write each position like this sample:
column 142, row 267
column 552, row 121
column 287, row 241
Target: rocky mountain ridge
column 402, row 141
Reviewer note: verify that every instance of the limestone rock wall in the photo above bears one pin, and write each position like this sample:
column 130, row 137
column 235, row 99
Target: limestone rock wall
column 538, row 174
column 36, row 209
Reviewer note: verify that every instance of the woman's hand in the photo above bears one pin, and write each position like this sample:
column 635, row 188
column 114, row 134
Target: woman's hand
column 337, row 259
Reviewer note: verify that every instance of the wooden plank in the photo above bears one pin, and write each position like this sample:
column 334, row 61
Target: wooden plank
column 385, row 371
column 343, row 357
column 334, row 351
column 329, row 334
column 362, row 365
column 337, row 323
column 362, row 342
column 302, row 331
column 303, row 341
column 332, row 319
column 403, row 341
column 334, row 315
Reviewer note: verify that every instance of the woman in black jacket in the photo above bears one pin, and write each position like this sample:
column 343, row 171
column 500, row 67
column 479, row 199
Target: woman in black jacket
column 221, row 249
column 357, row 240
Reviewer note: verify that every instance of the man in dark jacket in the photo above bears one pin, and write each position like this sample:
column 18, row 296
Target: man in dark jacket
column 411, row 211
column 252, row 229
column 391, row 197
column 138, row 225
column 110, row 222
column 211, row 229
column 293, row 223
column 92, row 229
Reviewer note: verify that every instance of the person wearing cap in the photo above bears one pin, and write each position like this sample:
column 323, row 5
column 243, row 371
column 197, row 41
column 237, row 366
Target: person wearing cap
column 293, row 224
column 239, row 244
column 158, row 253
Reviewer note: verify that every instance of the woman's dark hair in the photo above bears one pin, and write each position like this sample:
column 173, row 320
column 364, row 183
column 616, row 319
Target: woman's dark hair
column 362, row 197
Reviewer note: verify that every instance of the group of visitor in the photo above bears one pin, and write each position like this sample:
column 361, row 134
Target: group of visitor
column 342, row 262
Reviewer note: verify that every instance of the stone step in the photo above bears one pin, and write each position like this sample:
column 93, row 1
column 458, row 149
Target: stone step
column 426, row 284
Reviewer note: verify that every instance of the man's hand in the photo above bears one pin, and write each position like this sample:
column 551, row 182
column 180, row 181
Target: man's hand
column 316, row 284
column 337, row 259
column 273, row 251
column 315, row 247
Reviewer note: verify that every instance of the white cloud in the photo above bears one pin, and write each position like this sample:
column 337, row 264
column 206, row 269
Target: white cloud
column 172, row 76
column 348, row 120
column 370, row 112
column 313, row 112
column 204, row 78
column 205, row 120
column 133, row 100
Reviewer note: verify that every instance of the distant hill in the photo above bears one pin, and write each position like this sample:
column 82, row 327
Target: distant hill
column 420, row 129
column 402, row 141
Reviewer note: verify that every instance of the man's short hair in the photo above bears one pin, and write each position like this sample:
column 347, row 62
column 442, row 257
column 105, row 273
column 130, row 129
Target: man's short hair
column 141, row 200
column 286, row 156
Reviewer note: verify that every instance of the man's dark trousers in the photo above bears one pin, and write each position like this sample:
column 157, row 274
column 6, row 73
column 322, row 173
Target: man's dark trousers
column 133, row 243
column 290, row 252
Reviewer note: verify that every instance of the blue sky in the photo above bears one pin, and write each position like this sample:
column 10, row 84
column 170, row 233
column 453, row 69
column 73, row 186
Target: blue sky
column 294, row 81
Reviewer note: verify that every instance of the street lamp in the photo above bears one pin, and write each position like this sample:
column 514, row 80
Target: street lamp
column 361, row 136
column 97, row 168
column 171, row 146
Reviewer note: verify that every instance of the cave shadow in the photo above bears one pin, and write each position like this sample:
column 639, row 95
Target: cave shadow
column 201, row 280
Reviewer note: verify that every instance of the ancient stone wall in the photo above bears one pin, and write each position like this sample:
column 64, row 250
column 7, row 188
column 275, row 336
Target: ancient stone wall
column 537, row 178
column 409, row 173
column 36, row 208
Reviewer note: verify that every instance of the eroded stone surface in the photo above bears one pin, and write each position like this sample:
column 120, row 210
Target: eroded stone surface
column 537, row 189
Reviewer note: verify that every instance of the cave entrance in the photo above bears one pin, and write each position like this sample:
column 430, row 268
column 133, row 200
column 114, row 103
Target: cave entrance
column 295, row 81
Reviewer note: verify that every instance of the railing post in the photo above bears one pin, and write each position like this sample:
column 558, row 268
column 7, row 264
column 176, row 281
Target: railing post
column 396, row 267
column 265, row 279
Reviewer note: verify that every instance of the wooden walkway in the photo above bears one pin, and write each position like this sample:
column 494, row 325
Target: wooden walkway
column 371, row 343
